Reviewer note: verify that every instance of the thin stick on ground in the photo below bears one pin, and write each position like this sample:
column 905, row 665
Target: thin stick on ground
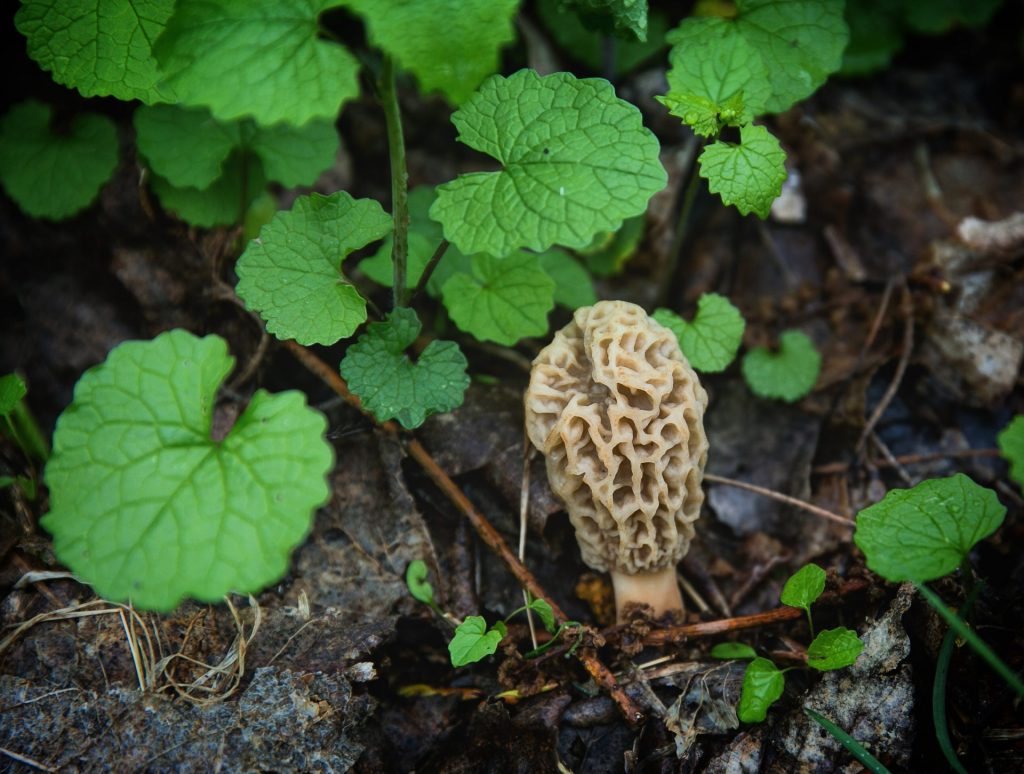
column 26, row 760
column 901, row 367
column 876, row 325
column 711, row 628
column 910, row 459
column 490, row 536
column 782, row 498
column 524, row 507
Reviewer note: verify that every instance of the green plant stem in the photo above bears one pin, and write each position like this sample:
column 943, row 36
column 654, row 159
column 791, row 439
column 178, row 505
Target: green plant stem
column 682, row 225
column 26, row 433
column 855, row 748
column 939, row 687
column 429, row 270
column 399, row 179
column 979, row 645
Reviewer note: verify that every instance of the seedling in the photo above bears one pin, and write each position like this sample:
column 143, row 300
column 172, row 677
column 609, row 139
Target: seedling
column 763, row 681
column 1011, row 443
column 473, row 640
column 21, row 427
column 728, row 71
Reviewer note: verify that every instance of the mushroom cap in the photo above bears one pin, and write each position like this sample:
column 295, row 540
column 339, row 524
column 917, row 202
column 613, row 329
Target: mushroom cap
column 619, row 415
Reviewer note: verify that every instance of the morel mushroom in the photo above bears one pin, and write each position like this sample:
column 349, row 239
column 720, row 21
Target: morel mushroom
column 619, row 415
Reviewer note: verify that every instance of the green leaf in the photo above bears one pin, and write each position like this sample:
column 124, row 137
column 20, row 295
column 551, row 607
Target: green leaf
column 711, row 341
column 424, row 237
column 788, row 374
column 188, row 146
column 473, row 641
column 292, row 274
column 719, row 70
column 627, row 16
column 54, row 175
column 924, row 533
column 546, row 614
column 291, row 155
column 938, row 16
column 393, row 387
column 222, row 203
column 573, row 286
column 101, row 49
column 6, row 481
column 876, row 34
column 503, row 300
column 185, row 146
column 576, row 161
column 12, row 390
column 609, row 251
column 834, row 649
column 585, row 44
column 449, row 45
column 733, row 650
column 280, row 67
column 763, row 684
column 706, row 117
column 416, row 579
column 1011, row 444
column 776, row 52
column 145, row 505
column 749, row 175
column 804, row 587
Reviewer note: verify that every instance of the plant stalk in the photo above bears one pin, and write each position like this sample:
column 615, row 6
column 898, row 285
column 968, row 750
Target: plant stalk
column 979, row 645
column 682, row 225
column 939, row 718
column 399, row 180
column 428, row 270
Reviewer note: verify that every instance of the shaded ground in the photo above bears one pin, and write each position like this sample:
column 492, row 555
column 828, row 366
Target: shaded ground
column 336, row 666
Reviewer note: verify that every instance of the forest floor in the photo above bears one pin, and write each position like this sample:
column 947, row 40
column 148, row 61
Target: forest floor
column 337, row 666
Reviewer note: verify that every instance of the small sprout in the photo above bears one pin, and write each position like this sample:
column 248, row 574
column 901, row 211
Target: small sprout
column 474, row 641
column 709, row 342
column 12, row 390
column 763, row 683
column 834, row 649
column 788, row 374
column 1011, row 444
column 544, row 612
column 733, row 651
column 416, row 580
column 803, row 588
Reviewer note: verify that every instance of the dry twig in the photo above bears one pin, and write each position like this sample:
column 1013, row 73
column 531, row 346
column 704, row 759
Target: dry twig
column 782, row 498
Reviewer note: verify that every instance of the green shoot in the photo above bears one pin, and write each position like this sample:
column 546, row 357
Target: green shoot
column 803, row 588
column 855, row 748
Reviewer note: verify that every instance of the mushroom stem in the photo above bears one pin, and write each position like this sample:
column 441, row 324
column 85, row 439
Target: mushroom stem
column 658, row 589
